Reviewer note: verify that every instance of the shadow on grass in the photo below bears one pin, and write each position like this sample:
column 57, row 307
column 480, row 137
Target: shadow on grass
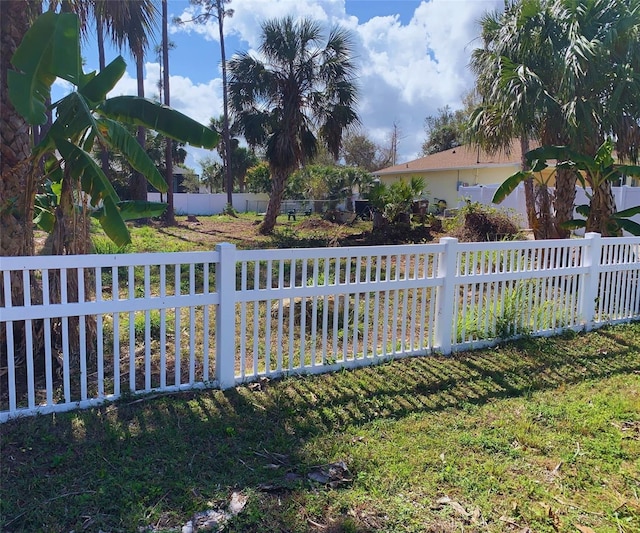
column 158, row 460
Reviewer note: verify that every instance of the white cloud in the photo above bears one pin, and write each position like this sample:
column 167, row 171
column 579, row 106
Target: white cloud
column 249, row 15
column 409, row 66
column 410, row 70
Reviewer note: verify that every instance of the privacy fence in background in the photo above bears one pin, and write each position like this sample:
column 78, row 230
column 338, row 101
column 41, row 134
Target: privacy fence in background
column 625, row 197
column 91, row 328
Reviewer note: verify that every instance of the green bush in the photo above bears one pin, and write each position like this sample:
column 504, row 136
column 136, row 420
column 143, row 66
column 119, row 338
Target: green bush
column 476, row 222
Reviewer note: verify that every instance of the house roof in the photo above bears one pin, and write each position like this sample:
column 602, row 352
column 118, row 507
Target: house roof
column 461, row 157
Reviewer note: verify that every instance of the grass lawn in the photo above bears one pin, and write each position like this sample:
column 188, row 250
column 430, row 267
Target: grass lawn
column 540, row 435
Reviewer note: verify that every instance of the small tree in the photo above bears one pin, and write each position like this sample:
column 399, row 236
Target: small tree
column 51, row 49
column 393, row 203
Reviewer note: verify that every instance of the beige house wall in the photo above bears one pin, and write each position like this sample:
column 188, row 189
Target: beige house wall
column 444, row 184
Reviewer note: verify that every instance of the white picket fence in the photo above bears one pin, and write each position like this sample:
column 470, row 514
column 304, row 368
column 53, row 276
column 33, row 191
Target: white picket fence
column 94, row 327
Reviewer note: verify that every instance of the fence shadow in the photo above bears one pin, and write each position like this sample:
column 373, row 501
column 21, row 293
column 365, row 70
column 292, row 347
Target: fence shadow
column 171, row 450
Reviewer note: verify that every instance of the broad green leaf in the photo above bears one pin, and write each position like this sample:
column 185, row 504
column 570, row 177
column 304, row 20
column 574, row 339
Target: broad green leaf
column 82, row 165
column 49, row 49
column 603, row 158
column 564, row 156
column 113, row 224
column 133, row 210
column 574, row 224
column 97, row 89
column 43, row 218
column 124, row 142
column 74, row 117
column 172, row 123
column 632, row 211
column 583, row 210
column 509, row 185
column 629, row 170
column 629, row 225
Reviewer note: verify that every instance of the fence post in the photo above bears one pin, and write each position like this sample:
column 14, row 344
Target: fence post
column 589, row 286
column 226, row 316
column 445, row 295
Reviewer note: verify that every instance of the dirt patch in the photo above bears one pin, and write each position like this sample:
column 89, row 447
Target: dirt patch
column 206, row 232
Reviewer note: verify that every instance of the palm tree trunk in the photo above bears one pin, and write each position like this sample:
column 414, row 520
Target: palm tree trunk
column 564, row 200
column 603, row 205
column 529, row 195
column 138, row 183
column 170, row 217
column 275, row 200
column 17, row 185
column 225, row 106
column 17, row 188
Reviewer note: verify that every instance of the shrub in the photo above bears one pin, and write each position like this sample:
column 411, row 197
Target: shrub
column 476, row 222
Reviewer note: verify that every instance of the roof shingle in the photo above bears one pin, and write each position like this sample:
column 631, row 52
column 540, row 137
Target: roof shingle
column 465, row 156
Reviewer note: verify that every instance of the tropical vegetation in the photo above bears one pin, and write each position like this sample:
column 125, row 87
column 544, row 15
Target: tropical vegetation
column 563, row 73
column 84, row 117
column 301, row 80
column 592, row 174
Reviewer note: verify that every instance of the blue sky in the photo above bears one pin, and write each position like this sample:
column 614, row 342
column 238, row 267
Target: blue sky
column 413, row 58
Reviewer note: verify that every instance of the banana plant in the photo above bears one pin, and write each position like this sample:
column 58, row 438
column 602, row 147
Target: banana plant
column 50, row 50
column 595, row 174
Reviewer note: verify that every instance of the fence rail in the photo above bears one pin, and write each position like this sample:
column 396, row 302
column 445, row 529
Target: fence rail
column 87, row 329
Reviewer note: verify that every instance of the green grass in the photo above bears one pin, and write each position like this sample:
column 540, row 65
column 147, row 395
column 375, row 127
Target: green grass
column 541, row 434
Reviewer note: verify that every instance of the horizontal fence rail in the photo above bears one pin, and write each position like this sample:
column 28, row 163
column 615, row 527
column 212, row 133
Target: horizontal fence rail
column 81, row 330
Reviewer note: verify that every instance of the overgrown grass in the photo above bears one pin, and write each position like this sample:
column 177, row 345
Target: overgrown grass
column 540, row 435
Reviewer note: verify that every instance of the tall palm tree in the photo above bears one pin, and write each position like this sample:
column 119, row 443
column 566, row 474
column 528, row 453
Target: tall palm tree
column 170, row 217
column 302, row 91
column 517, row 47
column 131, row 23
column 562, row 73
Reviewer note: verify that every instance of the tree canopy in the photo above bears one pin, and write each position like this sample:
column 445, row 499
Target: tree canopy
column 561, row 72
column 298, row 93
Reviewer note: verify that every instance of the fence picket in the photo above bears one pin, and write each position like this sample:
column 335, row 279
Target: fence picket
column 357, row 307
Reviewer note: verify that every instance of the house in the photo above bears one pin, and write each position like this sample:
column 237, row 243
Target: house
column 445, row 172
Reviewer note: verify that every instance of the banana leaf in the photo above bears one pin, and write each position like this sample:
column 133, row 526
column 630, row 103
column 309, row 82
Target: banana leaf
column 169, row 122
column 113, row 224
column 82, row 165
column 632, row 211
column 96, row 89
column 133, row 210
column 509, row 185
column 628, row 225
column 49, row 49
column 119, row 138
column 583, row 210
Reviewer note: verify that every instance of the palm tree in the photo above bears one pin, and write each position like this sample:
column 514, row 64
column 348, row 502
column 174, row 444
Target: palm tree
column 17, row 182
column 131, row 22
column 561, row 73
column 516, row 45
column 302, row 92
column 170, row 217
